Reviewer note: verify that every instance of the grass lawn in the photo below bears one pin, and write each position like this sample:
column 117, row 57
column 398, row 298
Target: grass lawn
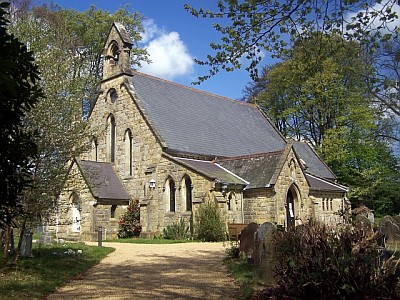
column 51, row 267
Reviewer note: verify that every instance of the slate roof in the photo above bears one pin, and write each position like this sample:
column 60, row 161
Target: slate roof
column 315, row 165
column 212, row 171
column 193, row 121
column 259, row 170
column 102, row 180
column 319, row 184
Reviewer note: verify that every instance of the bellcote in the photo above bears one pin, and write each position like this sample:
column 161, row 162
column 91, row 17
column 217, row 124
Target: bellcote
column 116, row 52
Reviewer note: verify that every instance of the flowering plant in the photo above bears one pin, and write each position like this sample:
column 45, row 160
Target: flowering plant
column 129, row 223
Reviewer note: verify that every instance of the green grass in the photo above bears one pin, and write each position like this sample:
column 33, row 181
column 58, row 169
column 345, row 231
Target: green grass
column 243, row 273
column 148, row 241
column 51, row 267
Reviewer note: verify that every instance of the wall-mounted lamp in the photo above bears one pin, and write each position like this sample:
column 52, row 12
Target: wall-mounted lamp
column 224, row 188
column 152, row 183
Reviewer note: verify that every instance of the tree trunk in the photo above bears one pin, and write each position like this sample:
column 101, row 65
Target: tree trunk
column 6, row 244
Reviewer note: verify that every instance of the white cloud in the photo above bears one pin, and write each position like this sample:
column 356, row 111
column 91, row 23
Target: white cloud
column 377, row 8
column 168, row 53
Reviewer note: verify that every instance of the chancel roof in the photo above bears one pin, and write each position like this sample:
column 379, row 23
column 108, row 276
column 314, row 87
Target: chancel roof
column 212, row 171
column 319, row 184
column 192, row 121
column 259, row 170
column 314, row 164
column 102, row 180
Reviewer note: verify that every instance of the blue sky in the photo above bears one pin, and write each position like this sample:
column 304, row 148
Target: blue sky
column 173, row 39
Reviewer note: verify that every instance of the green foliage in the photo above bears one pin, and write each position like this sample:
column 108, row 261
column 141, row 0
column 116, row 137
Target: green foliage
column 155, row 241
column 250, row 28
column 318, row 94
column 209, row 225
column 19, row 93
column 243, row 273
column 177, row 231
column 51, row 267
column 67, row 46
column 317, row 262
column 129, row 223
column 233, row 251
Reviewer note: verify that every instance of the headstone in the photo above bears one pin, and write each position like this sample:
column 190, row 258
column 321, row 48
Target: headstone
column 363, row 221
column 26, row 243
column 396, row 219
column 247, row 239
column 46, row 238
column 264, row 252
column 389, row 227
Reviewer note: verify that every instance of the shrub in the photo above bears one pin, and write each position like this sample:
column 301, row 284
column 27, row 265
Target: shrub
column 315, row 262
column 209, row 224
column 176, row 231
column 129, row 225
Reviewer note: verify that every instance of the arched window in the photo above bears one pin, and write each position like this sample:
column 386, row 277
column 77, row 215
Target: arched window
column 111, row 138
column 186, row 192
column 231, row 201
column 113, row 54
column 94, row 149
column 128, row 139
column 112, row 95
column 170, row 194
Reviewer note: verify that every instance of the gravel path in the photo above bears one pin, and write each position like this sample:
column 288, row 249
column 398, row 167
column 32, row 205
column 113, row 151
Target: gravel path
column 138, row 271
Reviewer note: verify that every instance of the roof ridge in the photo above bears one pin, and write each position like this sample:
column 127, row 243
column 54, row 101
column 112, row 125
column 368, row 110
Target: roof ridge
column 196, row 90
column 255, row 155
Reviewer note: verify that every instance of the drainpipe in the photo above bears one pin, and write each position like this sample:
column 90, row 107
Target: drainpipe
column 242, row 207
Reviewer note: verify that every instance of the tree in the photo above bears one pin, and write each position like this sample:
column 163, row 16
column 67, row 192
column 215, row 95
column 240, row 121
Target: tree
column 251, row 27
column 319, row 95
column 19, row 93
column 67, row 46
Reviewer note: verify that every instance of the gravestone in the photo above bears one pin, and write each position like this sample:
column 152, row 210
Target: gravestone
column 46, row 238
column 390, row 228
column 247, row 239
column 26, row 243
column 363, row 221
column 264, row 252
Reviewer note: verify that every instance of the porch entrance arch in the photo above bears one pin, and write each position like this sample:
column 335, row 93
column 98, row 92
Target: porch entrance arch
column 292, row 198
column 76, row 213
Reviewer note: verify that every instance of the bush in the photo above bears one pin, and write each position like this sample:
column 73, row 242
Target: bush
column 209, row 224
column 176, row 231
column 129, row 223
column 315, row 262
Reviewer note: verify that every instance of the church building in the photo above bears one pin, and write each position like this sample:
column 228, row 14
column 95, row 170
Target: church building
column 172, row 147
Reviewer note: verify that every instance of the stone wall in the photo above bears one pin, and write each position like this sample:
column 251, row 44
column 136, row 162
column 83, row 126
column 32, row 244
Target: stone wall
column 91, row 214
column 328, row 207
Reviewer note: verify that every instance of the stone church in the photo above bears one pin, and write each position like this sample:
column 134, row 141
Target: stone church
column 171, row 147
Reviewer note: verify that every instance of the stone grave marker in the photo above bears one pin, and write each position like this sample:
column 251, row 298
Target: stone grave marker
column 396, row 218
column 247, row 239
column 46, row 238
column 363, row 221
column 26, row 243
column 264, row 252
column 390, row 228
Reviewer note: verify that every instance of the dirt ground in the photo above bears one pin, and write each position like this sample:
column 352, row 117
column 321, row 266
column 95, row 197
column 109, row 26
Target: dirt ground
column 139, row 271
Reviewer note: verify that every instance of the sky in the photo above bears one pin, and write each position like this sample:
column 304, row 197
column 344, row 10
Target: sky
column 174, row 38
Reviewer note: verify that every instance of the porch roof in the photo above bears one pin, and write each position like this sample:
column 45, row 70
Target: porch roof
column 102, row 180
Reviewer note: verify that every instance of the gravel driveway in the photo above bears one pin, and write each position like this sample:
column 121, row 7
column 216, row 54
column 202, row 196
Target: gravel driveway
column 138, row 271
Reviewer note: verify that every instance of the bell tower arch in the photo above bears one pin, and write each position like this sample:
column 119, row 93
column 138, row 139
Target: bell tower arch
column 117, row 52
